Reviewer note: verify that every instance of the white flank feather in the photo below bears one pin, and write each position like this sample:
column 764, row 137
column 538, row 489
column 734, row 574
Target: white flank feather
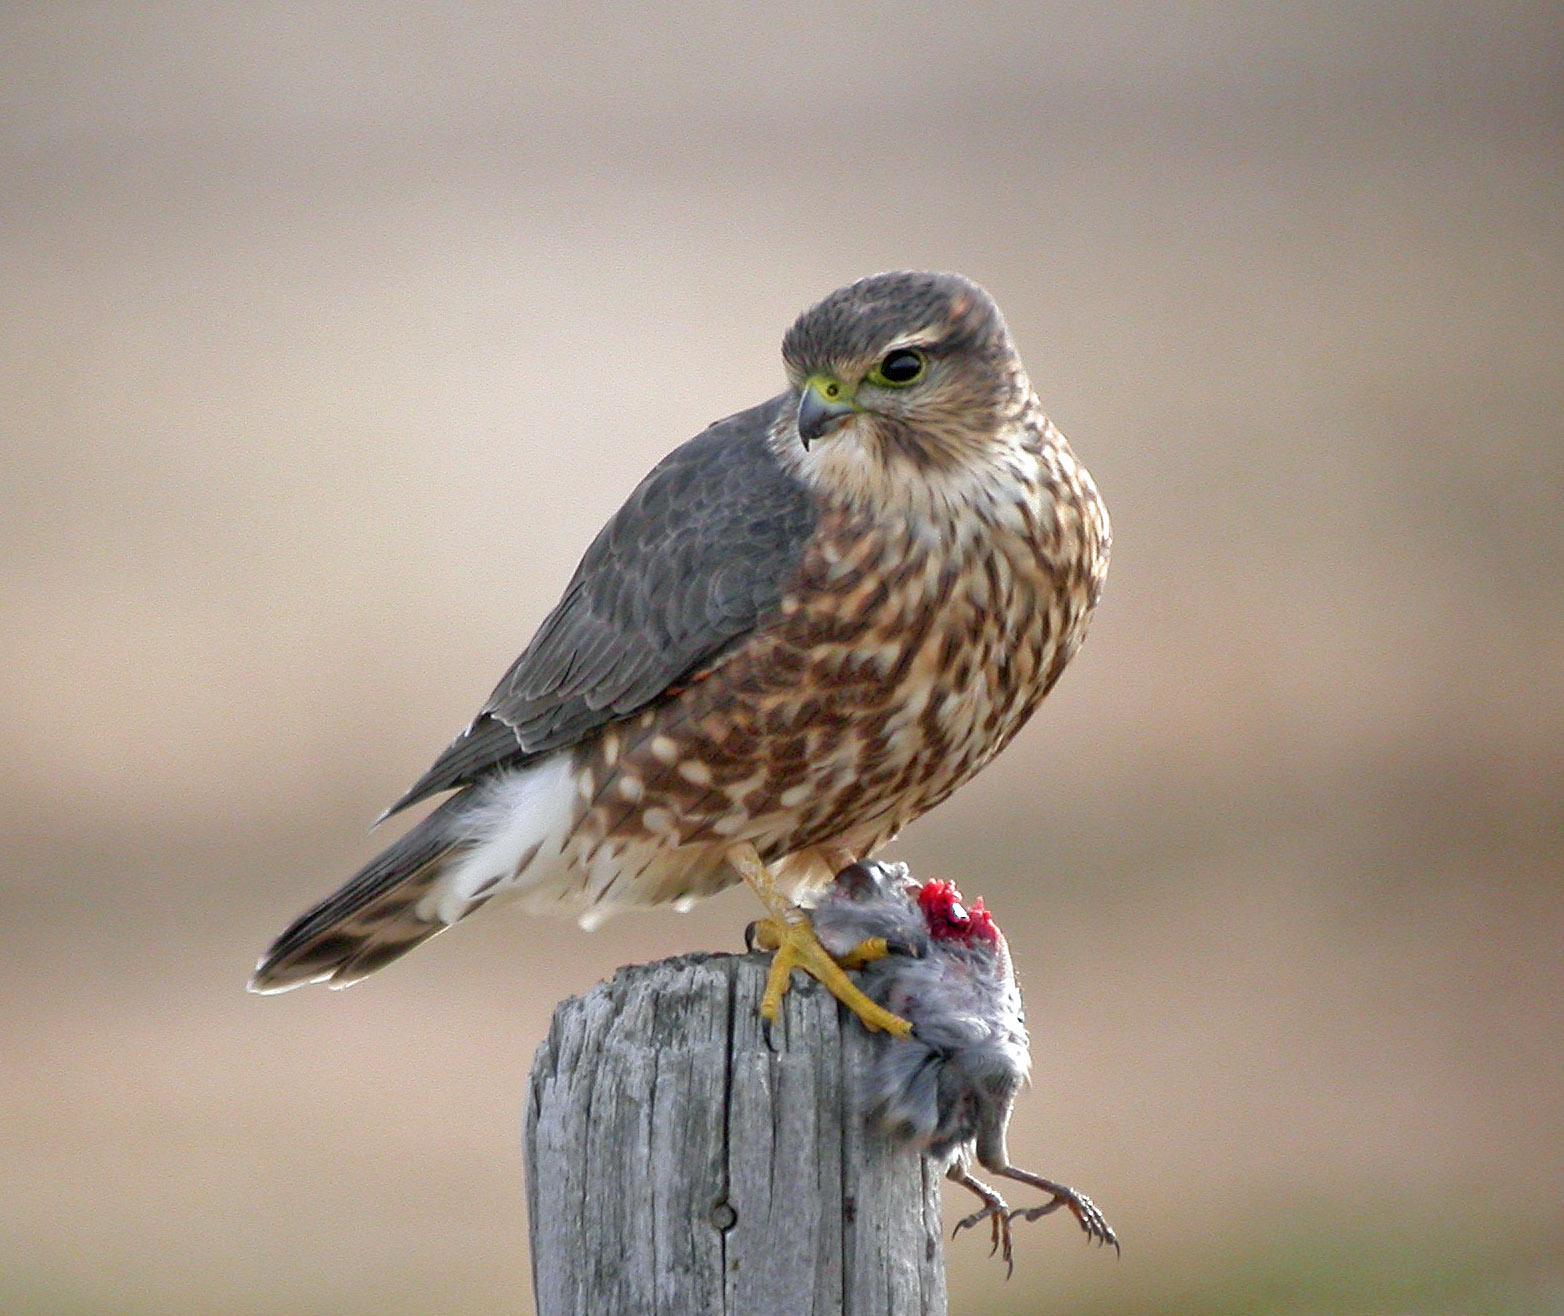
column 520, row 828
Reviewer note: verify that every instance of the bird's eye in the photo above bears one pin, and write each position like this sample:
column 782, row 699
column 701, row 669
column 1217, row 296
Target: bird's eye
column 958, row 916
column 900, row 368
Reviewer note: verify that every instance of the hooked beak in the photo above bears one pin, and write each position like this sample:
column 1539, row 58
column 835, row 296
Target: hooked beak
column 823, row 406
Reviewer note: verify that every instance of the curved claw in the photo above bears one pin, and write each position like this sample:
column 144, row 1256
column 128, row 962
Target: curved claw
column 998, row 1215
column 1091, row 1220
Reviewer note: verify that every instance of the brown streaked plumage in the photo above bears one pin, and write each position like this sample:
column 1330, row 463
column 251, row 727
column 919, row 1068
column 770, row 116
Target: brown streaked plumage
column 806, row 627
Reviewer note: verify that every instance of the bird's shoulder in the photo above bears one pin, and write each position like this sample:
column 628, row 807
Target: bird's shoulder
column 720, row 493
column 696, row 558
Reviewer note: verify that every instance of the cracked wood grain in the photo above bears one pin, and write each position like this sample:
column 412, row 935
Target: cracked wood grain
column 678, row 1166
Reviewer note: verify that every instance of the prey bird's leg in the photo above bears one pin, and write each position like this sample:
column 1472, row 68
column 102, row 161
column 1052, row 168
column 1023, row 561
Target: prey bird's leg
column 1080, row 1205
column 788, row 934
column 995, row 1210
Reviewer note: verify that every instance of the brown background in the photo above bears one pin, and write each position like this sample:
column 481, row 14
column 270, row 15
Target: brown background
column 329, row 336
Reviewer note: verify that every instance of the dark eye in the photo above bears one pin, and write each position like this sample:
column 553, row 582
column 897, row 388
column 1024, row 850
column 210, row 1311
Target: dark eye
column 899, row 368
column 958, row 916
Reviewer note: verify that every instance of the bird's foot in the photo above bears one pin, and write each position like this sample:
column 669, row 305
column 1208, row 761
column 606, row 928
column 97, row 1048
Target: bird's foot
column 865, row 953
column 794, row 945
column 1086, row 1214
column 997, row 1213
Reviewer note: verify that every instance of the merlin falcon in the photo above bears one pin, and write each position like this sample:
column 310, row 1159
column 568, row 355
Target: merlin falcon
column 806, row 627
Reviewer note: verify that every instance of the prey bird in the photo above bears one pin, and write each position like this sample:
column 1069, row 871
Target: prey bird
column 806, row 627
column 948, row 1089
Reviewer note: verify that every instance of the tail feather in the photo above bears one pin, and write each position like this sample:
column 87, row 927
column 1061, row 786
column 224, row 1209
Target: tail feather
column 380, row 914
column 480, row 843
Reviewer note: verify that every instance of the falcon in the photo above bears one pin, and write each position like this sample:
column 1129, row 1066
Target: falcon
column 806, row 627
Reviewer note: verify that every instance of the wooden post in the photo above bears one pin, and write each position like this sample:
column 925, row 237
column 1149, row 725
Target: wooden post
column 678, row 1165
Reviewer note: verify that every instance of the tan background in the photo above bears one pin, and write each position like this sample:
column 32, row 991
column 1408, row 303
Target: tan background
column 329, row 336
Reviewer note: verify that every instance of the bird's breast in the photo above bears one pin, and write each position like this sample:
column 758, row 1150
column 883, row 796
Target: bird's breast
column 903, row 656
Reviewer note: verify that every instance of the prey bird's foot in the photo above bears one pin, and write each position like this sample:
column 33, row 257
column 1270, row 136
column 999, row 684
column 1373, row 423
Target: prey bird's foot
column 1090, row 1219
column 997, row 1212
column 795, row 946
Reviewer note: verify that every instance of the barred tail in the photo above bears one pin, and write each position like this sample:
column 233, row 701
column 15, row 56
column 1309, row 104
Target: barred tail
column 505, row 835
column 385, row 910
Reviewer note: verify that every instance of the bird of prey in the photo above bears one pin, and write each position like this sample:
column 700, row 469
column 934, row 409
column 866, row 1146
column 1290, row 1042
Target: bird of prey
column 807, row 626
column 948, row 1089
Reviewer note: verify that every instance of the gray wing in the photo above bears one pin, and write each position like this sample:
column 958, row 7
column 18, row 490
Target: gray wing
column 696, row 559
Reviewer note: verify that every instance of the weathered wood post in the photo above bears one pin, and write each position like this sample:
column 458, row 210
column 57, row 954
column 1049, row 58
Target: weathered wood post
column 678, row 1165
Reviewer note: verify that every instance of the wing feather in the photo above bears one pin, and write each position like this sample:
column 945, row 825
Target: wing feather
column 696, row 559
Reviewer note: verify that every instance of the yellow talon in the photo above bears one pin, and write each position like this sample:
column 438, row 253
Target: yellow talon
column 865, row 953
column 763, row 934
column 795, row 946
column 788, row 934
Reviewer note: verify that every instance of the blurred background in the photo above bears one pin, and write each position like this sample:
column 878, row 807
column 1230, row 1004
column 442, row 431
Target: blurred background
column 331, row 335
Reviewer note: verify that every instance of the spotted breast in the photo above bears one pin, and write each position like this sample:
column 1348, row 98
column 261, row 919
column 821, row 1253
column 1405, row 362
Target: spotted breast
column 908, row 652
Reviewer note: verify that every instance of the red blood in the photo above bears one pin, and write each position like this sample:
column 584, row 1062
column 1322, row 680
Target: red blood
column 950, row 920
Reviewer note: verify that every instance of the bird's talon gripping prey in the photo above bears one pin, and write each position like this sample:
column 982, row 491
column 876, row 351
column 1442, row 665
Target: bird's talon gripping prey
column 792, row 941
column 865, row 953
column 794, row 946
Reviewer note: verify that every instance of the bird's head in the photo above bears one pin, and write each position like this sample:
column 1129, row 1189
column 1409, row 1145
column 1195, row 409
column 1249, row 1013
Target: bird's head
column 902, row 375
column 952, row 921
